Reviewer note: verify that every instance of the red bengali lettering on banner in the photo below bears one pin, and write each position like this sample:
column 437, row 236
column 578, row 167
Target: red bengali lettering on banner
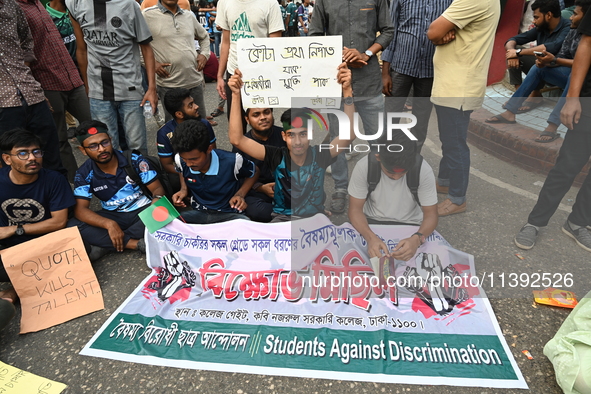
column 351, row 281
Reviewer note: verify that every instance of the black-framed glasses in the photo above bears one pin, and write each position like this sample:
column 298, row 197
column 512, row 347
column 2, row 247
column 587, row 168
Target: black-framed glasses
column 95, row 146
column 25, row 154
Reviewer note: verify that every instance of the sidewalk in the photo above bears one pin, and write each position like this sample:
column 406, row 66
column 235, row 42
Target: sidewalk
column 514, row 143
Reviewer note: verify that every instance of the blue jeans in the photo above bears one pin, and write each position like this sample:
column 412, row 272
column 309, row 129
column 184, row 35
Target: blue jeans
column 454, row 167
column 217, row 35
column 196, row 216
column 554, row 117
column 131, row 115
column 369, row 111
column 558, row 76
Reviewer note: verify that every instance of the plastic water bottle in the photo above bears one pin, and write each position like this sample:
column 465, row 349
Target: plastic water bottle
column 149, row 115
column 148, row 110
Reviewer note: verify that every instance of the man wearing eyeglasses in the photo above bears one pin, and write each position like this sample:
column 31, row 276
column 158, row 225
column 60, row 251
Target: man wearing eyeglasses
column 35, row 200
column 117, row 225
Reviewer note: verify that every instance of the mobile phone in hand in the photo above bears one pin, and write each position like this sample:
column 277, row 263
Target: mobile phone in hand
column 538, row 54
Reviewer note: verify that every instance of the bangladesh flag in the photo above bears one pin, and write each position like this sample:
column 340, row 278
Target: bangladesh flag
column 159, row 214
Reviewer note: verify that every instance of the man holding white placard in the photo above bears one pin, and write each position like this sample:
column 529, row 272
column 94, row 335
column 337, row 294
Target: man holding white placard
column 358, row 21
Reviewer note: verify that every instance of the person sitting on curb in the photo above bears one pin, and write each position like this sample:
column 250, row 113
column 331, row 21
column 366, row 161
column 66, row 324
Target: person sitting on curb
column 117, row 225
column 555, row 70
column 263, row 131
column 35, row 199
column 392, row 201
column 298, row 168
column 210, row 176
column 179, row 103
column 549, row 33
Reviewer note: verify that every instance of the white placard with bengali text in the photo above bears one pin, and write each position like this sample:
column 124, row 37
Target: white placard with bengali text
column 277, row 70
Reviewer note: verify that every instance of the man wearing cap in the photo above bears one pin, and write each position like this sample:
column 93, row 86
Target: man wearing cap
column 298, row 168
column 391, row 202
column 117, row 225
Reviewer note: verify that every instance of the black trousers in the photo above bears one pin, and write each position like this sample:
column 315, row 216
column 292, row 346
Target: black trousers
column 574, row 154
column 37, row 119
column 421, row 102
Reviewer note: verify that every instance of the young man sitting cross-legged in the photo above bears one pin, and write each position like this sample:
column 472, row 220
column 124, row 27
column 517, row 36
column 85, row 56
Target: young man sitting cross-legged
column 117, row 225
column 211, row 177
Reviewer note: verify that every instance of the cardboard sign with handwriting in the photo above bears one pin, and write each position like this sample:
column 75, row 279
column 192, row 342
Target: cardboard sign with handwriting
column 53, row 278
column 290, row 72
column 17, row 381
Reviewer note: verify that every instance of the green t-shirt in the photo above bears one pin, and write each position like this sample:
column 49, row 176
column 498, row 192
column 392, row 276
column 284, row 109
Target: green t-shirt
column 64, row 26
column 292, row 10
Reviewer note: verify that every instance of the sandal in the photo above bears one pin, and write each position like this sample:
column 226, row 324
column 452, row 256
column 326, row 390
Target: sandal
column 498, row 119
column 339, row 200
column 553, row 135
column 213, row 122
column 529, row 105
column 217, row 112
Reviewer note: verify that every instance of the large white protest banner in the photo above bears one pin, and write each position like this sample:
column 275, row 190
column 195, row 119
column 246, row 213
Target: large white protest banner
column 299, row 299
column 276, row 71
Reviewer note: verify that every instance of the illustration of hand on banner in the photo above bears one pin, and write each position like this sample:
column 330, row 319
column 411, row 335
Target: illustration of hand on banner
column 173, row 276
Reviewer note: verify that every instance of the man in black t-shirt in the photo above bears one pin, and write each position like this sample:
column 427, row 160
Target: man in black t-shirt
column 574, row 154
column 35, row 200
column 298, row 168
column 263, row 131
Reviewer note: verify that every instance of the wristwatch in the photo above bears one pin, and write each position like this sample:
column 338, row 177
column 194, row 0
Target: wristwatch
column 421, row 237
column 369, row 53
column 348, row 100
column 553, row 62
column 20, row 230
column 518, row 51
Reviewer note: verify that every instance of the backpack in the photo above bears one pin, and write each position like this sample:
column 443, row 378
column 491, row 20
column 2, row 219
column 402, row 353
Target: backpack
column 413, row 176
column 155, row 164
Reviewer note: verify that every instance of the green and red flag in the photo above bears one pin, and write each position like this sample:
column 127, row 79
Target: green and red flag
column 159, row 214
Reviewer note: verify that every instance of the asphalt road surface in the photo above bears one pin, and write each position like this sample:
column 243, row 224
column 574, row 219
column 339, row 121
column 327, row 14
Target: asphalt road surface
column 500, row 197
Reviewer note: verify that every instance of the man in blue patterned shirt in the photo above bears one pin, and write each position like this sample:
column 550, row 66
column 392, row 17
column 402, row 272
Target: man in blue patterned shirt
column 408, row 60
column 117, row 225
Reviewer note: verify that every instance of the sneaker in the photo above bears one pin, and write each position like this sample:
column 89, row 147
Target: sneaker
column 446, row 208
column 71, row 132
column 526, row 237
column 141, row 245
column 96, row 252
column 339, row 200
column 581, row 236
